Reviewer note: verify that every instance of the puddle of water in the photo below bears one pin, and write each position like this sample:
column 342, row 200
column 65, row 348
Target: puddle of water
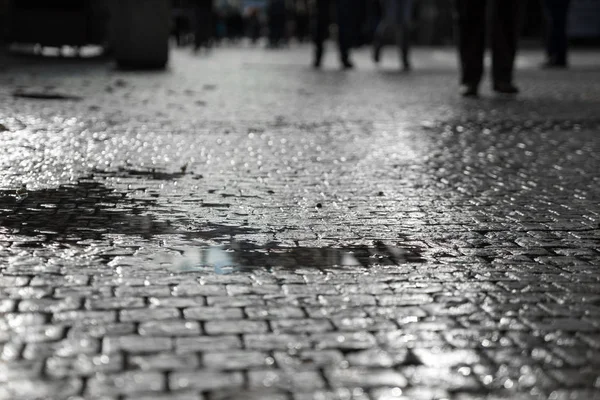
column 147, row 174
column 89, row 210
column 239, row 257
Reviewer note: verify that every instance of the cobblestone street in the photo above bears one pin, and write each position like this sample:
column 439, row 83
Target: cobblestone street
column 244, row 227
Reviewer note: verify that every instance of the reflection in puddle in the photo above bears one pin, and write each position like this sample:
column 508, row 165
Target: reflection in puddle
column 245, row 256
column 90, row 210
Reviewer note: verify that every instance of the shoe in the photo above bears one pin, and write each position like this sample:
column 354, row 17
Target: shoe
column 505, row 88
column 406, row 61
column 554, row 65
column 347, row 64
column 376, row 53
column 469, row 90
column 317, row 63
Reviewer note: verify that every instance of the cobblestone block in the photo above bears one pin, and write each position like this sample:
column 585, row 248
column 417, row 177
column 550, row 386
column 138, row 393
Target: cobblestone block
column 344, row 340
column 336, row 394
column 142, row 291
column 337, row 312
column 69, row 347
column 128, row 382
column 230, row 302
column 563, row 324
column 60, row 280
column 13, row 281
column 25, row 292
column 366, row 288
column 404, row 299
column 301, row 325
column 576, row 377
column 87, row 317
column 114, row 303
column 310, row 289
column 39, row 389
column 356, row 300
column 196, row 289
column 437, row 357
column 464, row 338
column 49, row 305
column 402, row 339
column 363, row 377
column 7, row 305
column 575, row 394
column 11, row 351
column 148, row 314
column 178, row 302
column 170, row 396
column 212, row 313
column 298, row 380
column 136, row 344
column 235, row 327
column 205, row 380
column 240, row 290
column 377, row 358
column 248, row 394
column 236, row 360
column 308, row 359
column 79, row 291
column 272, row 312
column 39, row 333
column 272, row 341
column 164, row 362
column 440, row 378
column 99, row 331
column 169, row 328
column 361, row 324
column 184, row 345
column 83, row 365
column 20, row 370
column 16, row 320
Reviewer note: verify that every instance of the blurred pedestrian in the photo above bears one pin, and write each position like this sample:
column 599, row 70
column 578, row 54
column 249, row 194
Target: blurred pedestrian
column 397, row 17
column 204, row 29
column 344, row 10
column 253, row 24
column 471, row 18
column 302, row 20
column 276, row 14
column 557, row 12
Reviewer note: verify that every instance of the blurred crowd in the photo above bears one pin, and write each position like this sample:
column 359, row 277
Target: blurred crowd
column 215, row 22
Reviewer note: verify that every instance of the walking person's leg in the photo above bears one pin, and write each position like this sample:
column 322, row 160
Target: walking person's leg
column 345, row 19
column 505, row 31
column 381, row 29
column 557, row 15
column 471, row 16
column 561, row 27
column 321, row 28
column 404, row 18
column 548, row 13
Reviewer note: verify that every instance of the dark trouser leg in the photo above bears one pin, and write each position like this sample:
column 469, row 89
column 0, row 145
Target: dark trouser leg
column 321, row 29
column 505, row 32
column 471, row 39
column 405, row 18
column 557, row 13
column 344, row 9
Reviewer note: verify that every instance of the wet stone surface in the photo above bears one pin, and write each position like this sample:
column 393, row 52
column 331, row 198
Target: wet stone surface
column 242, row 227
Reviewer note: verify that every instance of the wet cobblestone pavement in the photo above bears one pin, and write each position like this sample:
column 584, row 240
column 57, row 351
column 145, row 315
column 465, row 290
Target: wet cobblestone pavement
column 242, row 227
